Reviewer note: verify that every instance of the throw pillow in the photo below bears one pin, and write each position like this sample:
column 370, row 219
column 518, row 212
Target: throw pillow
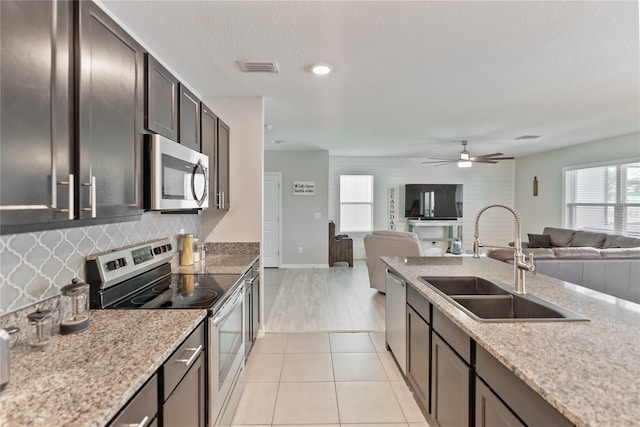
column 539, row 241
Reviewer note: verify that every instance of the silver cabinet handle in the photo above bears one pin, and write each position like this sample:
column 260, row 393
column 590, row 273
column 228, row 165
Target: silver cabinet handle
column 71, row 202
column 221, row 200
column 142, row 423
column 92, row 196
column 189, row 361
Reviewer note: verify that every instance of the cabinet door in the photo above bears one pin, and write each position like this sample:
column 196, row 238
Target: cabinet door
column 418, row 351
column 222, row 166
column 186, row 405
column 491, row 411
column 110, row 73
column 36, row 115
column 396, row 319
column 450, row 386
column 161, row 100
column 189, row 124
column 208, row 139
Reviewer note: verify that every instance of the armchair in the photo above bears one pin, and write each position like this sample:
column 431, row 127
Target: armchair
column 388, row 243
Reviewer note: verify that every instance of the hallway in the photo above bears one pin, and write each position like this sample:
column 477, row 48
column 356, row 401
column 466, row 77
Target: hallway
column 323, row 360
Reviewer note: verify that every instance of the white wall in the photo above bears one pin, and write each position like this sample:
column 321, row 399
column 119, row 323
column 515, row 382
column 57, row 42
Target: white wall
column 546, row 210
column 482, row 185
column 299, row 226
column 243, row 221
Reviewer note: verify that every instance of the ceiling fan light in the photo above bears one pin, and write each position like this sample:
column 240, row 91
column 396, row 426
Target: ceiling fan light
column 464, row 156
column 464, row 163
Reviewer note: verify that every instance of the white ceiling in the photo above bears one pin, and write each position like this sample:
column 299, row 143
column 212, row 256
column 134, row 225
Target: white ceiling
column 411, row 79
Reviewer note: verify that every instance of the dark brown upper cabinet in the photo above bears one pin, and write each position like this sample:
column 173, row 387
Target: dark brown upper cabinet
column 36, row 114
column 189, row 134
column 221, row 191
column 110, row 106
column 162, row 97
column 209, row 133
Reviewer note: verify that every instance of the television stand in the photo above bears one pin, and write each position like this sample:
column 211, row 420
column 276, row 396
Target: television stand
column 452, row 230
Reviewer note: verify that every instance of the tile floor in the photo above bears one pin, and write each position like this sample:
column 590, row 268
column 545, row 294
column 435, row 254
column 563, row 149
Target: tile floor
column 325, row 379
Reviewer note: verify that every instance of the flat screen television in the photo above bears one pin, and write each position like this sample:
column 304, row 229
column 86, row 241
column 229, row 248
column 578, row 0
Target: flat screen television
column 433, row 201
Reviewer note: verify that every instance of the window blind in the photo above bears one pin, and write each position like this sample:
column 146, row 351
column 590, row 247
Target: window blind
column 604, row 198
column 356, row 203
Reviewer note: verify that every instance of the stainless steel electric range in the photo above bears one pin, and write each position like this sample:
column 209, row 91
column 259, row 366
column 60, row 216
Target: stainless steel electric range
column 140, row 277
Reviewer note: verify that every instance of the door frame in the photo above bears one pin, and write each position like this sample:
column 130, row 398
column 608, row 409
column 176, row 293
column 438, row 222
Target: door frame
column 278, row 175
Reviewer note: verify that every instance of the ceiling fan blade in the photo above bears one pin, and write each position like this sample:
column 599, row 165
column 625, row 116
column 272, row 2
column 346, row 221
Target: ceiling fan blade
column 440, row 161
column 448, row 159
column 491, row 155
column 475, row 160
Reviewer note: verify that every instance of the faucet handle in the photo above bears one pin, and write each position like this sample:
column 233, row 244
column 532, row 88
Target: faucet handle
column 531, row 263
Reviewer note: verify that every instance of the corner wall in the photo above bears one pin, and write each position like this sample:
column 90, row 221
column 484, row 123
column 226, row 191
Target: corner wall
column 243, row 221
column 546, row 210
column 299, row 226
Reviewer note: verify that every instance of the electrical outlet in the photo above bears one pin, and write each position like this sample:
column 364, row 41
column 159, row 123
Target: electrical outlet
column 299, row 249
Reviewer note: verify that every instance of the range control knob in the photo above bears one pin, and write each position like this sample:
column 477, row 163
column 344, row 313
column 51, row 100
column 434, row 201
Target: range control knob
column 158, row 250
column 168, row 246
column 123, row 262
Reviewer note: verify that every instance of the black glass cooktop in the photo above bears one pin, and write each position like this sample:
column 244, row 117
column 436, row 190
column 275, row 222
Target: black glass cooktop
column 181, row 291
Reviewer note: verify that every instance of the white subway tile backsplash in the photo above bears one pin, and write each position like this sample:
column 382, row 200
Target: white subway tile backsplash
column 34, row 266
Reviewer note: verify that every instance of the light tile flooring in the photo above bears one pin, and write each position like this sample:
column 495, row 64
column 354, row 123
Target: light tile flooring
column 318, row 371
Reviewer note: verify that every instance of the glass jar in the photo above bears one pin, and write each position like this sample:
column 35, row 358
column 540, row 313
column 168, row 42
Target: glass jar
column 75, row 307
column 196, row 252
column 186, row 257
column 39, row 328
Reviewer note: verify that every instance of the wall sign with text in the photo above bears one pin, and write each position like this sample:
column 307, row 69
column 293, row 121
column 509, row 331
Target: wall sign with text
column 304, row 188
column 392, row 210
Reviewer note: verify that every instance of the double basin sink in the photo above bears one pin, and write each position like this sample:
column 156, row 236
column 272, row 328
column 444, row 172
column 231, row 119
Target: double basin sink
column 487, row 302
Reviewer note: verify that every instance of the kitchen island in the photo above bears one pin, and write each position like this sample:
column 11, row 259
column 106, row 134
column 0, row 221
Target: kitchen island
column 85, row 379
column 587, row 371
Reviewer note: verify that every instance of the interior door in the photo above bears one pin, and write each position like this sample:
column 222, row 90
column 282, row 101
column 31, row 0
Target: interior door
column 271, row 240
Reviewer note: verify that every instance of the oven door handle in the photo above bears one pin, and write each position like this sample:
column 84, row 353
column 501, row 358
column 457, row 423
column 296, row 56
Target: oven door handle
column 228, row 308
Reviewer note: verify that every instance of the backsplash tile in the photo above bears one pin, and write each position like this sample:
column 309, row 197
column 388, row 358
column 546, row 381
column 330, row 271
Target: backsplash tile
column 34, row 266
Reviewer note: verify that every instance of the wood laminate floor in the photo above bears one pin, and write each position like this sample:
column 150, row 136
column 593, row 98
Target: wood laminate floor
column 322, row 299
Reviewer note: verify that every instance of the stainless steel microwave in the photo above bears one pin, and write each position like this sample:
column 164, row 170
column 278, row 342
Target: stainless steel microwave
column 177, row 176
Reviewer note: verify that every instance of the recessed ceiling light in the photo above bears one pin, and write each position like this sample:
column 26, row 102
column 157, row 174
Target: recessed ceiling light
column 321, row 69
column 528, row 137
column 278, row 141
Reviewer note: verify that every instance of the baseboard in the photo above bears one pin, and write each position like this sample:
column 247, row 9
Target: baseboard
column 304, row 266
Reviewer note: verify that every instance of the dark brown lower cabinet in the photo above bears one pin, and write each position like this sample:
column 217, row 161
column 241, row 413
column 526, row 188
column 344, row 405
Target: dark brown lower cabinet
column 418, row 363
column 491, row 411
column 142, row 408
column 184, row 381
column 450, row 386
column 185, row 406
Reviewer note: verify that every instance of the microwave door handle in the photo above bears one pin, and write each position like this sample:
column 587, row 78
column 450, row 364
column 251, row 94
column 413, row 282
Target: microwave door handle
column 199, row 165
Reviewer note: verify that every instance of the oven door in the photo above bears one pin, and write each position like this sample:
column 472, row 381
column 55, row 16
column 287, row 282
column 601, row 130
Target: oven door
column 179, row 176
column 226, row 358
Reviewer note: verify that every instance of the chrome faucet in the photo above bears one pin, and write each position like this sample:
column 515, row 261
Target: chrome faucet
column 520, row 265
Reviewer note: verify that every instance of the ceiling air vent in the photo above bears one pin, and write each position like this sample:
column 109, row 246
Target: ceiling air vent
column 528, row 137
column 258, row 67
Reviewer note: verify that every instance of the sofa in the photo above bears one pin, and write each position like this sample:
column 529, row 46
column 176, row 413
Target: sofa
column 603, row 262
column 388, row 243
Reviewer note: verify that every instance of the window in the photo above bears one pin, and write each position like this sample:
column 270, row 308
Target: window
column 604, row 198
column 356, row 203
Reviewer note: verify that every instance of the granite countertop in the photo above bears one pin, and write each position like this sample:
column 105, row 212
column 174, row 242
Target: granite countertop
column 85, row 379
column 217, row 264
column 589, row 371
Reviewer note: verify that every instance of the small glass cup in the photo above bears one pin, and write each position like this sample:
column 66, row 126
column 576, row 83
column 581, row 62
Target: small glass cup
column 39, row 328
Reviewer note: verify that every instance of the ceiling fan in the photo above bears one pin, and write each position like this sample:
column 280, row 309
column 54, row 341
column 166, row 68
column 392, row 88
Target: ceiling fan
column 465, row 160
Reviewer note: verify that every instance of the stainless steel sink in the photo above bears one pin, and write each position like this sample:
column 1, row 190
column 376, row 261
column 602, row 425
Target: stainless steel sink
column 465, row 285
column 487, row 302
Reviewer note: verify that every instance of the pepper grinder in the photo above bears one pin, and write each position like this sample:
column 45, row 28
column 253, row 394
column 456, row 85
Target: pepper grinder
column 75, row 305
